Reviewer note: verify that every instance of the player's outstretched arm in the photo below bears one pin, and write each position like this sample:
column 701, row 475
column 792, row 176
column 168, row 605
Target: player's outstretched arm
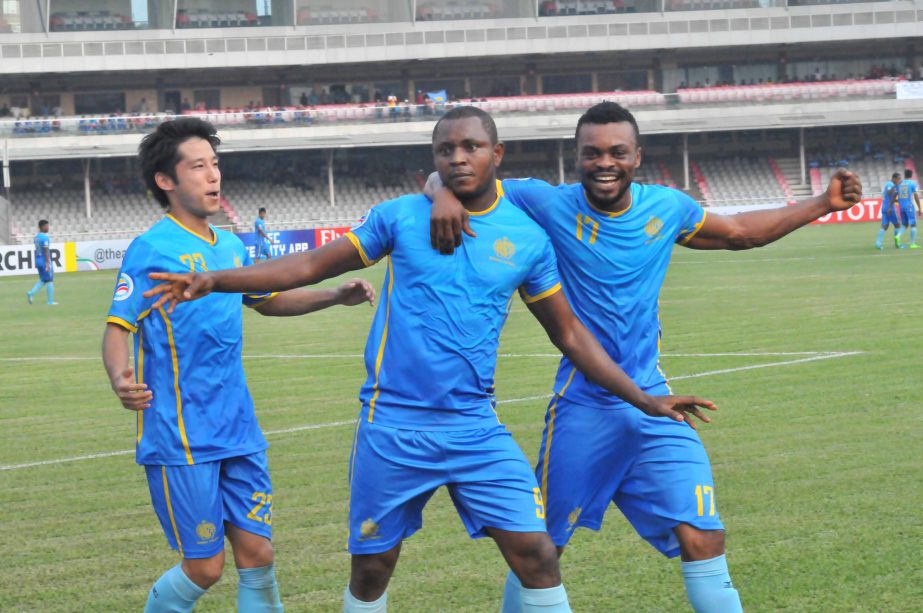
column 133, row 396
column 285, row 273
column 576, row 342
column 448, row 219
column 758, row 228
column 303, row 301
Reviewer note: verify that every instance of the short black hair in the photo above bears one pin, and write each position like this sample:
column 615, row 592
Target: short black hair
column 463, row 112
column 159, row 150
column 262, row 210
column 896, row 175
column 42, row 222
column 607, row 112
column 908, row 174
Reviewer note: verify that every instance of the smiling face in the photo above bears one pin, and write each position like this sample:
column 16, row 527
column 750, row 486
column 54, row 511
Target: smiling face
column 197, row 189
column 607, row 156
column 465, row 158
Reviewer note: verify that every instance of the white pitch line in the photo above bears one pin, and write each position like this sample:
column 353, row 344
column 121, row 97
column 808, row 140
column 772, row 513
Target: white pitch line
column 312, row 356
column 507, row 401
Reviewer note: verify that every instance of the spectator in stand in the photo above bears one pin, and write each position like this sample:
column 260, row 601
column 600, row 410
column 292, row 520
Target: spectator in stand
column 5, row 110
column 303, row 100
column 185, row 106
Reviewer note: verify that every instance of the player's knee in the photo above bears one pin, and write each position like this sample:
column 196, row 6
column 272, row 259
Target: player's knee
column 204, row 572
column 371, row 574
column 698, row 544
column 535, row 562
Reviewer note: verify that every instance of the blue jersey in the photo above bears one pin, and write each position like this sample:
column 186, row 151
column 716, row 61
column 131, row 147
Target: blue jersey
column 432, row 348
column 190, row 359
column 259, row 224
column 905, row 191
column 887, row 194
column 42, row 242
column 612, row 268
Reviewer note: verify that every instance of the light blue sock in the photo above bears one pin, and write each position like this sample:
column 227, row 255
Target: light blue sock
column 511, row 600
column 49, row 289
column 351, row 604
column 174, row 592
column 709, row 586
column 38, row 285
column 258, row 590
column 913, row 234
column 881, row 236
column 549, row 600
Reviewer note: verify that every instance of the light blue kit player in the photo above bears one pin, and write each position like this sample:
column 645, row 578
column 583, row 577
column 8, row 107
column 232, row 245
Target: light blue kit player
column 908, row 199
column 613, row 239
column 197, row 434
column 427, row 416
column 43, row 264
column 263, row 242
column 890, row 214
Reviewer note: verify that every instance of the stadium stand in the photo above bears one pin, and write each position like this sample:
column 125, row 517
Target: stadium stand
column 204, row 18
column 89, row 21
column 328, row 15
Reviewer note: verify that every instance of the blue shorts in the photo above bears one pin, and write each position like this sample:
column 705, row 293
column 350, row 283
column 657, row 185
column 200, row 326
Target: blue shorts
column 890, row 217
column 46, row 276
column 654, row 469
column 393, row 473
column 908, row 215
column 263, row 249
column 192, row 502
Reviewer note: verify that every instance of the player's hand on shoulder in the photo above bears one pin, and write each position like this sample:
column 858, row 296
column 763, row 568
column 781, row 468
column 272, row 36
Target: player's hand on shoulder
column 179, row 287
column 448, row 219
column 680, row 408
column 844, row 190
column 355, row 291
column 134, row 396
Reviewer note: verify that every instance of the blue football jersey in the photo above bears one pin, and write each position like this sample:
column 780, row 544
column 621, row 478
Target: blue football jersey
column 259, row 224
column 905, row 191
column 42, row 241
column 190, row 359
column 432, row 348
column 612, row 268
column 886, row 194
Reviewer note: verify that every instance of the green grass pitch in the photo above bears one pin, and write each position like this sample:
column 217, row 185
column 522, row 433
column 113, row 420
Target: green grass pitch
column 817, row 451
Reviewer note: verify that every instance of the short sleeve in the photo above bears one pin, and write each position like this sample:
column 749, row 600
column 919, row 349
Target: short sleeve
column 543, row 279
column 129, row 306
column 691, row 215
column 45, row 242
column 529, row 195
column 373, row 236
column 253, row 300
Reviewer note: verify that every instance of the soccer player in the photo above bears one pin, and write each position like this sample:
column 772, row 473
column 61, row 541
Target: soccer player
column 889, row 212
column 197, row 434
column 613, row 239
column 908, row 199
column 427, row 416
column 43, row 264
column 263, row 242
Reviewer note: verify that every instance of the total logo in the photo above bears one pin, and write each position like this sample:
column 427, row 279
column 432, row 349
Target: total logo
column 123, row 288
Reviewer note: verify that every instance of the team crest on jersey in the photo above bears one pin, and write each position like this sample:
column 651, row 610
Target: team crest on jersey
column 361, row 220
column 123, row 287
column 368, row 529
column 205, row 531
column 652, row 228
column 237, row 262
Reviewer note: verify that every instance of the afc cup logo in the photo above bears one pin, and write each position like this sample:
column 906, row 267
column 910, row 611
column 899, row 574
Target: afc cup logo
column 123, row 287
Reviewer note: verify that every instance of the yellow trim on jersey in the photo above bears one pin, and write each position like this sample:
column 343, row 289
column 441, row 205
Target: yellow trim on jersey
column 166, row 493
column 500, row 191
column 358, row 245
column 488, row 209
column 384, row 339
column 631, row 201
column 696, row 229
column 176, row 390
column 140, row 379
column 112, row 319
column 548, row 292
column 210, row 241
column 263, row 301
column 551, row 417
